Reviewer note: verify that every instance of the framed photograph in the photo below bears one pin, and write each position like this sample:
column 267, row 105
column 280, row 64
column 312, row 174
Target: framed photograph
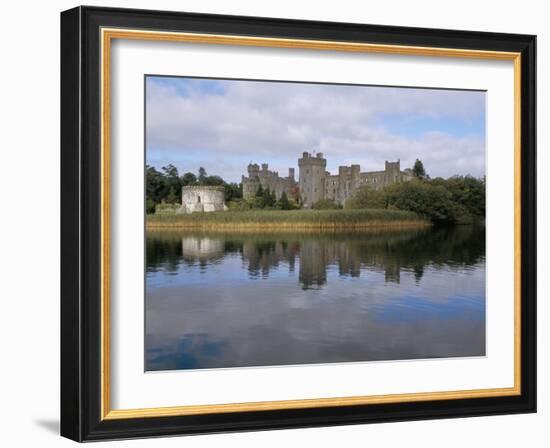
column 273, row 223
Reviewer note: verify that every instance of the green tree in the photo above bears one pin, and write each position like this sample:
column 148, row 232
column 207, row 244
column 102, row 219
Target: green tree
column 233, row 191
column 202, row 175
column 154, row 187
column 260, row 191
column 418, row 169
column 283, row 203
column 188, row 179
column 434, row 202
column 213, row 181
column 170, row 171
column 172, row 185
column 367, row 197
column 469, row 192
column 269, row 198
column 259, row 199
column 172, row 197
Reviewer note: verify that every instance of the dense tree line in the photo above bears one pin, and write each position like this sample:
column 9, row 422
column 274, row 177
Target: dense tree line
column 164, row 186
column 265, row 199
column 458, row 199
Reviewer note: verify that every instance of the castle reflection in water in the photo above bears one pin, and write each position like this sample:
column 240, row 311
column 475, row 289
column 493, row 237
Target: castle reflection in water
column 216, row 300
column 314, row 254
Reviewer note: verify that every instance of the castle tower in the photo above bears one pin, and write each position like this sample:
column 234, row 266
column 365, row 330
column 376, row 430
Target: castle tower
column 355, row 180
column 312, row 178
column 392, row 171
column 253, row 170
column 355, row 173
column 251, row 183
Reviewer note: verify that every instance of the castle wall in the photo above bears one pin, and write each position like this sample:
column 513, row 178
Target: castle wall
column 332, row 186
column 374, row 179
column 250, row 186
column 315, row 183
column 268, row 180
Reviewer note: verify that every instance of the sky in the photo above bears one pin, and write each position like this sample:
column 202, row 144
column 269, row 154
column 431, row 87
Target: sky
column 223, row 125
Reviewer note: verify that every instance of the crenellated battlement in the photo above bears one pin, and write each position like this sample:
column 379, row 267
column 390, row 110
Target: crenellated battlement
column 316, row 183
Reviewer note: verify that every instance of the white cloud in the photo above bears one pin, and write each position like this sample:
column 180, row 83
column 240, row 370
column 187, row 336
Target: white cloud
column 265, row 121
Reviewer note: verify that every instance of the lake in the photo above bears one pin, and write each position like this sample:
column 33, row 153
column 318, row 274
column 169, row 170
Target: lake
column 216, row 300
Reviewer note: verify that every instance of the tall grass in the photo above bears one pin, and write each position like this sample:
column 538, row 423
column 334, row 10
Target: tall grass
column 289, row 220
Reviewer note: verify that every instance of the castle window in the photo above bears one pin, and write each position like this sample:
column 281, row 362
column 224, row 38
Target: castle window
column 198, row 199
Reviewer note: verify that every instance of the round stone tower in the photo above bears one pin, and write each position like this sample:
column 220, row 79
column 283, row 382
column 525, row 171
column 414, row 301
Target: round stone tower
column 312, row 178
column 201, row 199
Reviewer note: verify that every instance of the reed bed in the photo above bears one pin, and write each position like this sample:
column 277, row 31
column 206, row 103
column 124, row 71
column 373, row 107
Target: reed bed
column 292, row 220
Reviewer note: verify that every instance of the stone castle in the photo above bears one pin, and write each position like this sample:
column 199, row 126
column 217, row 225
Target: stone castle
column 315, row 183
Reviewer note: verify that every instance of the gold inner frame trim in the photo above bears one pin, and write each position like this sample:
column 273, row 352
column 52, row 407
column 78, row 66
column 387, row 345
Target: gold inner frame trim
column 107, row 35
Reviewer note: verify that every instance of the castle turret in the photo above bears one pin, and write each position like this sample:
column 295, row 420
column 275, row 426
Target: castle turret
column 315, row 183
column 392, row 171
column 312, row 178
column 343, row 171
column 253, row 170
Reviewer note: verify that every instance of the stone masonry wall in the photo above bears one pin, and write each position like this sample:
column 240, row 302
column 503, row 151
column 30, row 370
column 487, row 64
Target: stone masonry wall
column 315, row 183
column 202, row 199
column 268, row 180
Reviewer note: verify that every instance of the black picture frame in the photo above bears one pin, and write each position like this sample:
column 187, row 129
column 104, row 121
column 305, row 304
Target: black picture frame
column 81, row 224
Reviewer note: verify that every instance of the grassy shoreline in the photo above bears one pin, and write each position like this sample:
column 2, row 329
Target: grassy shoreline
column 293, row 220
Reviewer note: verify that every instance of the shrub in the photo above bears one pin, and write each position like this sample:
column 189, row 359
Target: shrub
column 237, row 205
column 367, row 197
column 469, row 192
column 149, row 206
column 459, row 199
column 326, row 204
column 434, row 202
column 283, row 203
column 166, row 209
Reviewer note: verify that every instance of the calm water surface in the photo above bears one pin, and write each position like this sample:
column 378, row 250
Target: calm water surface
column 233, row 300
